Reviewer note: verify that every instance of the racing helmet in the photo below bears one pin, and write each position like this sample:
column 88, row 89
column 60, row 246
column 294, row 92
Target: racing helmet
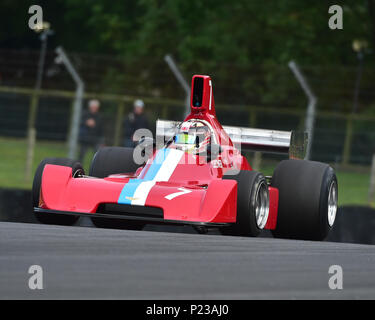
column 193, row 136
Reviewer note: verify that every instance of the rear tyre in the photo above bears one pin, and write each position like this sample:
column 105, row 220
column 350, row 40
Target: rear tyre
column 252, row 203
column 112, row 160
column 307, row 199
column 49, row 218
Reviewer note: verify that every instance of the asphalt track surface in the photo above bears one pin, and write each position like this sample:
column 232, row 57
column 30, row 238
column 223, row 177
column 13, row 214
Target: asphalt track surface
column 90, row 263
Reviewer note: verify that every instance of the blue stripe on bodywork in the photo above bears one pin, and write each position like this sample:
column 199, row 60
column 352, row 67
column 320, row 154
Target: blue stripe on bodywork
column 156, row 164
column 128, row 190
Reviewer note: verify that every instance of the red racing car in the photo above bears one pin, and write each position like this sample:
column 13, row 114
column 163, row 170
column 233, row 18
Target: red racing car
column 196, row 176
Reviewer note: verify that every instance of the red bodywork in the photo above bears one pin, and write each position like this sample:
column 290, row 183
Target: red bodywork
column 184, row 186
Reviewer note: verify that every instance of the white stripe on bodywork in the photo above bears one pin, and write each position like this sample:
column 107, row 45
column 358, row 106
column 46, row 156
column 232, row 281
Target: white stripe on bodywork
column 176, row 194
column 165, row 172
column 141, row 193
column 169, row 164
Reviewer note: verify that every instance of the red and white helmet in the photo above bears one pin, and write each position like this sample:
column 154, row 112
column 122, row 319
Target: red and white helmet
column 194, row 136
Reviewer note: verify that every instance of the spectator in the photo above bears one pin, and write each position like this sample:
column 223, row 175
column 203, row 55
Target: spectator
column 91, row 130
column 136, row 119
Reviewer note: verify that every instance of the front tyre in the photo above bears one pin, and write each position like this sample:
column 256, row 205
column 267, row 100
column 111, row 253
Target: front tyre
column 49, row 218
column 112, row 160
column 252, row 203
column 308, row 193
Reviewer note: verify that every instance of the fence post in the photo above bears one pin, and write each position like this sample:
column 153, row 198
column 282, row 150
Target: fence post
column 311, row 107
column 180, row 78
column 31, row 134
column 77, row 105
column 119, row 122
column 71, row 110
column 348, row 141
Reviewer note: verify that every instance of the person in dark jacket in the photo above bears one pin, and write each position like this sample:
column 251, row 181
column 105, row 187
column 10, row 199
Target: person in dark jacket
column 91, row 129
column 135, row 120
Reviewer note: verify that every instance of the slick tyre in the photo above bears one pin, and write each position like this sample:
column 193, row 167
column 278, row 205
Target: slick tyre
column 112, row 160
column 48, row 218
column 307, row 199
column 252, row 203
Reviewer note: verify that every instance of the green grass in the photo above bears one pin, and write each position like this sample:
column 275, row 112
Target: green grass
column 353, row 188
column 353, row 185
column 13, row 160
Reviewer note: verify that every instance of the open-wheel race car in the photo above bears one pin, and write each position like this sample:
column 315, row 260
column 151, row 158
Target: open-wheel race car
column 194, row 175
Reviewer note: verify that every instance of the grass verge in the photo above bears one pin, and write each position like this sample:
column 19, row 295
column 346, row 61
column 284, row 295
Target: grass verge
column 353, row 185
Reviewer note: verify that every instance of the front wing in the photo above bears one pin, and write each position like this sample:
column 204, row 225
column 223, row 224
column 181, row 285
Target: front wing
column 212, row 203
column 125, row 216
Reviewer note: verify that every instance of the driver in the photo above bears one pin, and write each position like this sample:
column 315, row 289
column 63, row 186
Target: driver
column 193, row 137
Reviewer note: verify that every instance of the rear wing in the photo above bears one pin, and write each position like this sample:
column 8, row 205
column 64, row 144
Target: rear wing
column 293, row 143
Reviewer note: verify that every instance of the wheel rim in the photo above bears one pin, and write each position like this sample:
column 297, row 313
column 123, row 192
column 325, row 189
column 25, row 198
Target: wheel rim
column 332, row 203
column 262, row 205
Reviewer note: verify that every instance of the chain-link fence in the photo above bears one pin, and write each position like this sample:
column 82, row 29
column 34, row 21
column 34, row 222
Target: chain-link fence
column 338, row 137
column 267, row 85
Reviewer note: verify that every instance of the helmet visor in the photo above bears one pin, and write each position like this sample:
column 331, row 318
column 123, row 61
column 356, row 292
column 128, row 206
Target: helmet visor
column 184, row 138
